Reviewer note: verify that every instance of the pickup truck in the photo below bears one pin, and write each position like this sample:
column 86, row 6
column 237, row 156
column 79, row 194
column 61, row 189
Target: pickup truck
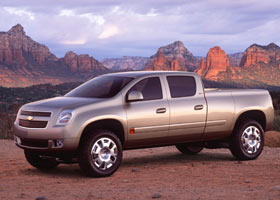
column 92, row 124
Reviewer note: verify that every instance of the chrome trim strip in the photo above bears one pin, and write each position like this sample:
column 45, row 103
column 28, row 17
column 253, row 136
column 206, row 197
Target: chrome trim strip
column 216, row 123
column 151, row 129
column 179, row 126
column 187, row 125
column 36, row 111
column 35, row 118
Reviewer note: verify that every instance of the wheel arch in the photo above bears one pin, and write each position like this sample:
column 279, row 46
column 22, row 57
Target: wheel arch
column 109, row 124
column 257, row 115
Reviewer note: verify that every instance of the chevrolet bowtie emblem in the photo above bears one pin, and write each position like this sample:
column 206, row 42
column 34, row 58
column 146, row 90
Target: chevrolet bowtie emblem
column 30, row 118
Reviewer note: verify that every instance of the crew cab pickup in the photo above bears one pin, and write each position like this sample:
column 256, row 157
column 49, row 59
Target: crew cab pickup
column 95, row 122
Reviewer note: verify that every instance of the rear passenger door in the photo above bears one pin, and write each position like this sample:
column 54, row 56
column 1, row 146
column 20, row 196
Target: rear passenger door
column 187, row 107
column 148, row 119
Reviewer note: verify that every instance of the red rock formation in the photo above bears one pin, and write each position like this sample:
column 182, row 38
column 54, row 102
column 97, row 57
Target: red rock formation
column 175, row 65
column 81, row 63
column 216, row 61
column 202, row 68
column 71, row 60
column 217, row 58
column 176, row 56
column 253, row 56
column 17, row 48
column 161, row 62
column 257, row 54
column 24, row 62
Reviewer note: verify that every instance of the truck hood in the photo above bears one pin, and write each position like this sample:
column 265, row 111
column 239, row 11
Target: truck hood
column 60, row 103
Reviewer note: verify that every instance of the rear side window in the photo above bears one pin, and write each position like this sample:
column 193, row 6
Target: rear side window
column 181, row 86
column 149, row 87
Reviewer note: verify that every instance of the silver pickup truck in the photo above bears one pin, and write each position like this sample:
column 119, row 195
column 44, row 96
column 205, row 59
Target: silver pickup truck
column 96, row 121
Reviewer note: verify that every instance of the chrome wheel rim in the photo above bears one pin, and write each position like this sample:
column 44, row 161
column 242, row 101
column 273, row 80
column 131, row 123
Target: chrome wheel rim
column 251, row 139
column 104, row 153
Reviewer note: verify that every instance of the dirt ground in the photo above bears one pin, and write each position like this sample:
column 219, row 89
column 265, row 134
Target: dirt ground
column 272, row 139
column 161, row 173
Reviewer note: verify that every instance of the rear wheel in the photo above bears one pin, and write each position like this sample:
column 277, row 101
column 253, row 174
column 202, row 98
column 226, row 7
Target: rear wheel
column 189, row 149
column 247, row 140
column 100, row 154
column 40, row 162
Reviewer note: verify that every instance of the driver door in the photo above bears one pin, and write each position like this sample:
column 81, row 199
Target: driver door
column 148, row 119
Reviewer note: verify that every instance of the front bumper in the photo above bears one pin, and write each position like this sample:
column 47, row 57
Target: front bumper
column 50, row 140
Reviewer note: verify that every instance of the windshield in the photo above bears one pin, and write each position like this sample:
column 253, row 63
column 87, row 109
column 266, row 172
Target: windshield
column 100, row 87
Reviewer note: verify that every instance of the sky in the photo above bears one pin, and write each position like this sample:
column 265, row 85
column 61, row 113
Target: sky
column 114, row 28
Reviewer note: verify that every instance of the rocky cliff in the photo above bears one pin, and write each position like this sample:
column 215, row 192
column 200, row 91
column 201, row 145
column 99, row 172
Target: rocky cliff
column 82, row 63
column 18, row 49
column 259, row 67
column 159, row 62
column 125, row 63
column 258, row 54
column 25, row 62
column 174, row 56
column 216, row 61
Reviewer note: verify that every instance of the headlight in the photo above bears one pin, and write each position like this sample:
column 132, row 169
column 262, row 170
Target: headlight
column 64, row 117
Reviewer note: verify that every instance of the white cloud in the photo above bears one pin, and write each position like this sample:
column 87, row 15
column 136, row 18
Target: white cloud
column 74, row 42
column 97, row 19
column 140, row 27
column 152, row 13
column 109, row 31
column 66, row 12
column 117, row 10
column 20, row 12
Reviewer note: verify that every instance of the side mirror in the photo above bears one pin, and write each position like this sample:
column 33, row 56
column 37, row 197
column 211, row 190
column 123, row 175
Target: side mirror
column 135, row 96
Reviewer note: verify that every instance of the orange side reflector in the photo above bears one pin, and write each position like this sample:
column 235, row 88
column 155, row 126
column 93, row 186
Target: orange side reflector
column 132, row 131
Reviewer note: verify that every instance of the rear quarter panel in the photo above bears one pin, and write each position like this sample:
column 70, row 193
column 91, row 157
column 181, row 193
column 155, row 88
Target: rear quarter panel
column 249, row 100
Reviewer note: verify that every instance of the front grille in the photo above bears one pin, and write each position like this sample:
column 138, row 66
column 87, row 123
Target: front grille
column 35, row 113
column 34, row 143
column 32, row 124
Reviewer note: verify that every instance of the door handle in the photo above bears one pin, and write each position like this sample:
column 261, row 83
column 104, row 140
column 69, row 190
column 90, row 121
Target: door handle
column 198, row 107
column 161, row 110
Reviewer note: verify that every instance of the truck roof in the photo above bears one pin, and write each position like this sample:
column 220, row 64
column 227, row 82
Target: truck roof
column 143, row 73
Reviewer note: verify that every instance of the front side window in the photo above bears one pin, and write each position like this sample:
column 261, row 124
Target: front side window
column 181, row 86
column 149, row 87
column 100, row 87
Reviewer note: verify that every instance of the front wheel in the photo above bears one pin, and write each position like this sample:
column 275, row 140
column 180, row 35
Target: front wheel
column 100, row 154
column 247, row 140
column 40, row 162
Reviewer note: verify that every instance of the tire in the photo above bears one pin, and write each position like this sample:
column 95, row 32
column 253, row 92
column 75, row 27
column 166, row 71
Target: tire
column 43, row 163
column 247, row 140
column 100, row 154
column 189, row 149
